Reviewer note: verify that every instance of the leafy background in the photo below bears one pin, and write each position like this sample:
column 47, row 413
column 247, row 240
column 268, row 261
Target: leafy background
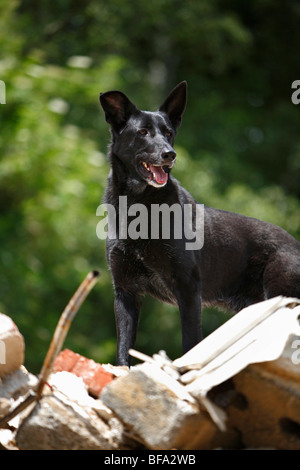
column 238, row 147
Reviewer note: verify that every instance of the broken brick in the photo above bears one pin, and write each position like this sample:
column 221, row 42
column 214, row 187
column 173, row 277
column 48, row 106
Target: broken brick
column 93, row 374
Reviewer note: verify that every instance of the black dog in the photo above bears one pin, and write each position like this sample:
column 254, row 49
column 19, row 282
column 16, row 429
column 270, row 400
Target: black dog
column 242, row 261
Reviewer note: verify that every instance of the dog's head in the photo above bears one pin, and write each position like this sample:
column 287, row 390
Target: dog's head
column 143, row 140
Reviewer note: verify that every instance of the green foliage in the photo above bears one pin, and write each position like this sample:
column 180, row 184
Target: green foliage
column 238, row 147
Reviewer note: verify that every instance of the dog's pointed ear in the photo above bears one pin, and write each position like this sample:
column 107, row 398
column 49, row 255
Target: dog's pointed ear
column 175, row 104
column 117, row 107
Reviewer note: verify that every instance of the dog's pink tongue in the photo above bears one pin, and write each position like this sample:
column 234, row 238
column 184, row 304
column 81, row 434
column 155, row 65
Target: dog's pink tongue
column 159, row 174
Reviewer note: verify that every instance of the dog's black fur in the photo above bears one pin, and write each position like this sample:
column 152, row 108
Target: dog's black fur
column 243, row 260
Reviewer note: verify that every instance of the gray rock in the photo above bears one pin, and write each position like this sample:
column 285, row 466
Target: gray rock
column 151, row 405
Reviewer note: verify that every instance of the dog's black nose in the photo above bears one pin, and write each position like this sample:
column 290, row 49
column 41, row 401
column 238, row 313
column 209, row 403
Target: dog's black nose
column 170, row 155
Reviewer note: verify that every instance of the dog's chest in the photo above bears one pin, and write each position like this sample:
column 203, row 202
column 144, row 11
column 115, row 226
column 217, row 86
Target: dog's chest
column 145, row 268
column 139, row 254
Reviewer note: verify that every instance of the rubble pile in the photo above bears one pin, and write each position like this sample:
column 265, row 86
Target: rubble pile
column 238, row 388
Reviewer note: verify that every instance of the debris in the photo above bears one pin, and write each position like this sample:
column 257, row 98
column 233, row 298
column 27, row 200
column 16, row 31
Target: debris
column 11, row 346
column 157, row 409
column 63, row 326
column 238, row 388
column 266, row 404
column 14, row 386
column 67, row 418
column 93, row 374
column 58, row 338
column 245, row 339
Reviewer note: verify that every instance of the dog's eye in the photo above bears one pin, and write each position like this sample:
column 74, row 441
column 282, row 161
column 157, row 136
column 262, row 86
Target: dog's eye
column 168, row 133
column 143, row 131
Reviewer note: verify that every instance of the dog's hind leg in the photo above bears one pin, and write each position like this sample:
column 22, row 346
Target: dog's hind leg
column 282, row 275
column 189, row 303
column 127, row 312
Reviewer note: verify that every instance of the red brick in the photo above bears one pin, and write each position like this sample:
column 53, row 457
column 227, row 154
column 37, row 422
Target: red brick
column 99, row 381
column 65, row 361
column 94, row 375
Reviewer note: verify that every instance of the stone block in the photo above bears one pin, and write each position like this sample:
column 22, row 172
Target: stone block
column 68, row 418
column 266, row 405
column 12, row 346
column 153, row 407
column 52, row 425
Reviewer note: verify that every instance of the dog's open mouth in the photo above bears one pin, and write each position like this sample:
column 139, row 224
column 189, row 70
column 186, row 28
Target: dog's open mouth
column 155, row 175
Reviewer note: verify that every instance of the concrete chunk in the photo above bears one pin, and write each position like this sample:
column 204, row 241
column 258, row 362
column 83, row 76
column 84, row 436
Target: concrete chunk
column 12, row 346
column 53, row 426
column 69, row 419
column 148, row 401
column 266, row 409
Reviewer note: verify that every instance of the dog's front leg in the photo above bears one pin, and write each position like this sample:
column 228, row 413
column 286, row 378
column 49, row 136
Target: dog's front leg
column 189, row 303
column 127, row 311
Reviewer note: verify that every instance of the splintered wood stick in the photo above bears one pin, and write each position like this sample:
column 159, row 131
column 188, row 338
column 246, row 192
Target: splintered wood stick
column 63, row 326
